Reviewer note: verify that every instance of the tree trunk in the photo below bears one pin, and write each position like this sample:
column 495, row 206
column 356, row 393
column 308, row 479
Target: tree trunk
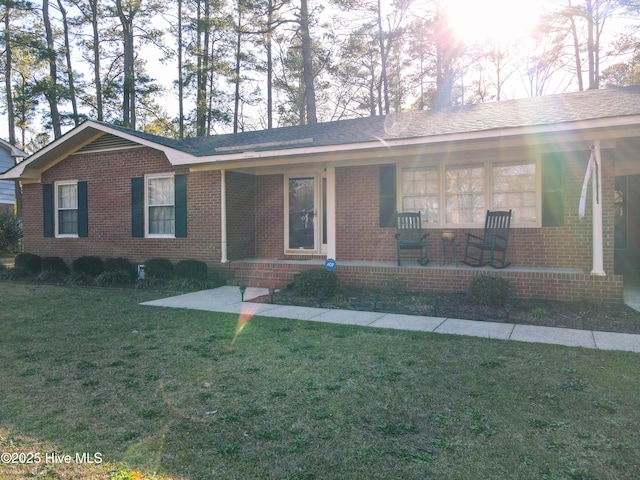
column 180, row 74
column 67, row 48
column 270, row 66
column 590, row 45
column 128, row 84
column 51, row 92
column 202, row 73
column 383, row 88
column 96, row 60
column 236, row 80
column 307, row 64
column 8, row 54
column 576, row 47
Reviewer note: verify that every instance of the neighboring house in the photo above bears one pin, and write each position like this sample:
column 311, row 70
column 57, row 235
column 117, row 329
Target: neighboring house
column 267, row 204
column 9, row 155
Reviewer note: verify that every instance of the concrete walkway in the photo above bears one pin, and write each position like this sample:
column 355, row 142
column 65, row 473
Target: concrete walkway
column 228, row 300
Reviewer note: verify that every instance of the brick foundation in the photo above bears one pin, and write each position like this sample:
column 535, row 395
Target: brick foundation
column 549, row 285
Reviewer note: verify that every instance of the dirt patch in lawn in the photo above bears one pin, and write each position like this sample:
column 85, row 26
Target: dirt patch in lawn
column 583, row 314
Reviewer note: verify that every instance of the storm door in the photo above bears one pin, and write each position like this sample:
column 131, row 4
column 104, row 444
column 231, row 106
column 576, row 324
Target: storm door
column 301, row 213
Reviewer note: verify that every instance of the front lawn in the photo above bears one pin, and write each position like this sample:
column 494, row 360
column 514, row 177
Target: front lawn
column 164, row 393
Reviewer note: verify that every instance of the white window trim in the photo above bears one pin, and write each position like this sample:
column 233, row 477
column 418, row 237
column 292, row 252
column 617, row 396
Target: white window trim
column 57, row 210
column 146, row 204
column 488, row 192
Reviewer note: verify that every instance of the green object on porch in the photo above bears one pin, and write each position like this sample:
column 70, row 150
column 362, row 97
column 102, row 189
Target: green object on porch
column 409, row 236
column 494, row 242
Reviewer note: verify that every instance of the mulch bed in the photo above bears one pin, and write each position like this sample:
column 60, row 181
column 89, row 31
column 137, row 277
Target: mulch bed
column 584, row 314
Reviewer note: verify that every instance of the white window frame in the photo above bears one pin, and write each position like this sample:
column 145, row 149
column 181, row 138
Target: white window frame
column 428, row 221
column 488, row 189
column 147, row 217
column 57, row 208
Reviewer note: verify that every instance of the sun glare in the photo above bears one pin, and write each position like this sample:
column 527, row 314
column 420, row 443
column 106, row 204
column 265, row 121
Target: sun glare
column 502, row 21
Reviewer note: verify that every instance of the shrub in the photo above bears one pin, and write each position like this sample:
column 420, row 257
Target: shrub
column 191, row 269
column 10, row 232
column 190, row 284
column 17, row 273
column 119, row 265
column 114, row 277
column 89, row 265
column 55, row 264
column 160, row 268
column 29, row 262
column 490, row 290
column 51, row 276
column 311, row 282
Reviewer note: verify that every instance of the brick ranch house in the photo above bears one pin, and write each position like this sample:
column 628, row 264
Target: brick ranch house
column 268, row 204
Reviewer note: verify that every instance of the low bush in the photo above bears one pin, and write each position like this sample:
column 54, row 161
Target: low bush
column 28, row 261
column 55, row 264
column 191, row 269
column 311, row 282
column 88, row 265
column 490, row 290
column 160, row 268
column 53, row 276
column 16, row 273
column 119, row 265
column 114, row 277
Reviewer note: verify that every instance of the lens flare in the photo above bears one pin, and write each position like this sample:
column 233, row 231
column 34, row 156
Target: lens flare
column 246, row 314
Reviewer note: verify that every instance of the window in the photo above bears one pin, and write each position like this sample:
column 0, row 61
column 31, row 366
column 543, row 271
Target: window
column 467, row 191
column 421, row 193
column 465, row 194
column 161, row 206
column 67, row 209
column 514, row 187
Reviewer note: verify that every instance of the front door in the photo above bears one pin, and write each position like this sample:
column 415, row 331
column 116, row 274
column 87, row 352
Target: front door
column 301, row 214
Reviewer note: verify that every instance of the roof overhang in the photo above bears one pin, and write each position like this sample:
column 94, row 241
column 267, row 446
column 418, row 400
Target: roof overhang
column 555, row 137
column 74, row 140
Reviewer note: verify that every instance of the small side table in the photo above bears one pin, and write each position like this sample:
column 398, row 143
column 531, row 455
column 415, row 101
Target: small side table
column 451, row 245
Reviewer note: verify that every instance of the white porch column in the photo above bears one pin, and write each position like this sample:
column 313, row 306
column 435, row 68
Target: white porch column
column 598, row 256
column 223, row 218
column 331, row 212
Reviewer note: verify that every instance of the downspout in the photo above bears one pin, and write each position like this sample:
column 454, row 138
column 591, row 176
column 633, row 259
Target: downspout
column 598, row 256
column 223, row 218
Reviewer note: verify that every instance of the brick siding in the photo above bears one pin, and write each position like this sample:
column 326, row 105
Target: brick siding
column 108, row 176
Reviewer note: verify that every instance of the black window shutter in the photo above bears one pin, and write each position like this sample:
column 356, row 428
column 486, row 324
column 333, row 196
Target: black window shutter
column 83, row 210
column 552, row 190
column 137, row 207
column 387, row 195
column 180, row 186
column 47, row 209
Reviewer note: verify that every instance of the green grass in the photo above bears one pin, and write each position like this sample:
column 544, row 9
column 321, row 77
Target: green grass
column 163, row 393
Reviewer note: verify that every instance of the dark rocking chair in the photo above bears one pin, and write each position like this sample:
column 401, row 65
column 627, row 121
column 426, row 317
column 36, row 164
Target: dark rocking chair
column 409, row 236
column 493, row 243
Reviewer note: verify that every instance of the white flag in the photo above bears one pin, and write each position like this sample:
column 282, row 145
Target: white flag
column 585, row 184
